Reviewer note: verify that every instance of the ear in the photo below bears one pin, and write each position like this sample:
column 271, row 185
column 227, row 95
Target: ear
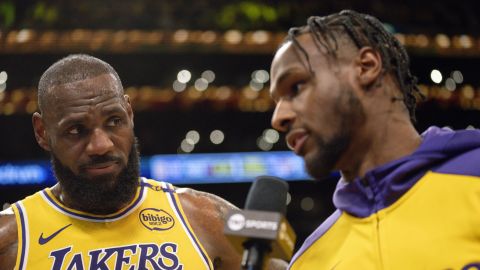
column 40, row 131
column 369, row 67
column 129, row 108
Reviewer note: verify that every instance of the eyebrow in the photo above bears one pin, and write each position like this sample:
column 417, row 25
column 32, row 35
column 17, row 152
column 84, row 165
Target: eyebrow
column 72, row 119
column 116, row 108
column 78, row 118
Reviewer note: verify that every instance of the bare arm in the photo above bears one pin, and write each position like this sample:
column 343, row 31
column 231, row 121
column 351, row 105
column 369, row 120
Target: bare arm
column 208, row 226
column 206, row 213
column 8, row 240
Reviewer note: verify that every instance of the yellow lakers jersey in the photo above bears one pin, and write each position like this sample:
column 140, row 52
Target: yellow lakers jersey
column 152, row 232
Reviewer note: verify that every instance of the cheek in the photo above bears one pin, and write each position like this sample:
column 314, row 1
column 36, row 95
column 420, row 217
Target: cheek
column 69, row 156
column 321, row 113
column 123, row 142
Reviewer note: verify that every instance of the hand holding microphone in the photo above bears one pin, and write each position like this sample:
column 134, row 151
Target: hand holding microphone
column 261, row 230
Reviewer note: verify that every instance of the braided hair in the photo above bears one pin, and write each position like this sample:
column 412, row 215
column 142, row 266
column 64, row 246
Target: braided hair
column 363, row 30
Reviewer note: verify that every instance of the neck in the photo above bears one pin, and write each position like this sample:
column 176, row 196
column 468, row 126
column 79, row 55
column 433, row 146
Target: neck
column 380, row 143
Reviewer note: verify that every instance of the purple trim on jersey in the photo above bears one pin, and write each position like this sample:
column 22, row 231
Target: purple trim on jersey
column 192, row 236
column 442, row 150
column 148, row 185
column 22, row 221
column 51, row 200
column 319, row 232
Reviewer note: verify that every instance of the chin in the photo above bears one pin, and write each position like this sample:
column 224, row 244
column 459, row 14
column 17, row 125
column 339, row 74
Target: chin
column 318, row 168
column 107, row 180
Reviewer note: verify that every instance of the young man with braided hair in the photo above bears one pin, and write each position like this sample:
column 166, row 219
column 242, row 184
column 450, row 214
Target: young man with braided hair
column 345, row 98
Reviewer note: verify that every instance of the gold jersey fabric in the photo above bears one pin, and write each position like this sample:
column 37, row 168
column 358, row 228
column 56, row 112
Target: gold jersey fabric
column 150, row 233
column 435, row 225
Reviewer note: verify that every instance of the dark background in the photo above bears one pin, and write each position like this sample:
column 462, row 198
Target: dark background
column 161, row 126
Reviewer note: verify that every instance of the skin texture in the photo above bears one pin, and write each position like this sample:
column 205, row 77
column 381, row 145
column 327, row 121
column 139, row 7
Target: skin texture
column 342, row 116
column 90, row 118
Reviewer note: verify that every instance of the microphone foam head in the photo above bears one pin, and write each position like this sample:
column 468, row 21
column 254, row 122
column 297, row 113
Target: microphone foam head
column 268, row 193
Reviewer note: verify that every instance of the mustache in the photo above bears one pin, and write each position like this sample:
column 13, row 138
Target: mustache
column 94, row 160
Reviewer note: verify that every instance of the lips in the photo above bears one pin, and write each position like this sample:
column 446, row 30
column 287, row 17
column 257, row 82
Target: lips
column 102, row 168
column 296, row 140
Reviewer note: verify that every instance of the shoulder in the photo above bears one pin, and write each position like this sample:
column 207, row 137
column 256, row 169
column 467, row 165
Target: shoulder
column 8, row 239
column 202, row 203
column 206, row 214
column 465, row 163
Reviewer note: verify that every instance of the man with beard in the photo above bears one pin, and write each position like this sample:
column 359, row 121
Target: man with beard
column 345, row 98
column 101, row 214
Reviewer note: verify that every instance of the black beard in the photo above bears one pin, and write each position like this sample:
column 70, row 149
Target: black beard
column 100, row 195
column 328, row 152
column 323, row 161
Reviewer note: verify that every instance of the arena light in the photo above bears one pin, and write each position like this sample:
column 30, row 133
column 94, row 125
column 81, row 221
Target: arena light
column 450, row 84
column 436, row 76
column 186, row 146
column 208, row 37
column 178, row 86
column 217, row 136
column 233, row 36
column 468, row 92
column 264, row 145
column 193, row 136
column 260, row 76
column 201, row 84
column 208, row 75
column 443, row 41
column 3, row 77
column 260, row 37
column 457, row 76
column 465, row 42
column 271, row 135
column 307, row 204
column 223, row 93
column 180, row 36
column 184, row 76
column 24, row 35
column 257, row 86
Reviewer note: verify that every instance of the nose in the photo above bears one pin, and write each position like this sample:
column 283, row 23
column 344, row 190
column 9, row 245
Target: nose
column 100, row 143
column 283, row 116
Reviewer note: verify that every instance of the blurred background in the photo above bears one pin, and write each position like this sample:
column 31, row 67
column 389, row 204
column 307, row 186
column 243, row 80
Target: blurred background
column 198, row 76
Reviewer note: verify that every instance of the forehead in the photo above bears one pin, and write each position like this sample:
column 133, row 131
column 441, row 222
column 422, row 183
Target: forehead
column 290, row 56
column 104, row 84
column 87, row 92
column 289, row 59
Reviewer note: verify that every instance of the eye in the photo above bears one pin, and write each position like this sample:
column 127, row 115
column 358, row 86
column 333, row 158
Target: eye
column 76, row 130
column 114, row 121
column 297, row 88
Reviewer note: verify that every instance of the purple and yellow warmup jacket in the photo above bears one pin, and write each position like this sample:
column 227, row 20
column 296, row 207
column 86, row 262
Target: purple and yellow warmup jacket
column 421, row 211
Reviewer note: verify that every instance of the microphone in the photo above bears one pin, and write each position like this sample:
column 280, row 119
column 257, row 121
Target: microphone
column 261, row 230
